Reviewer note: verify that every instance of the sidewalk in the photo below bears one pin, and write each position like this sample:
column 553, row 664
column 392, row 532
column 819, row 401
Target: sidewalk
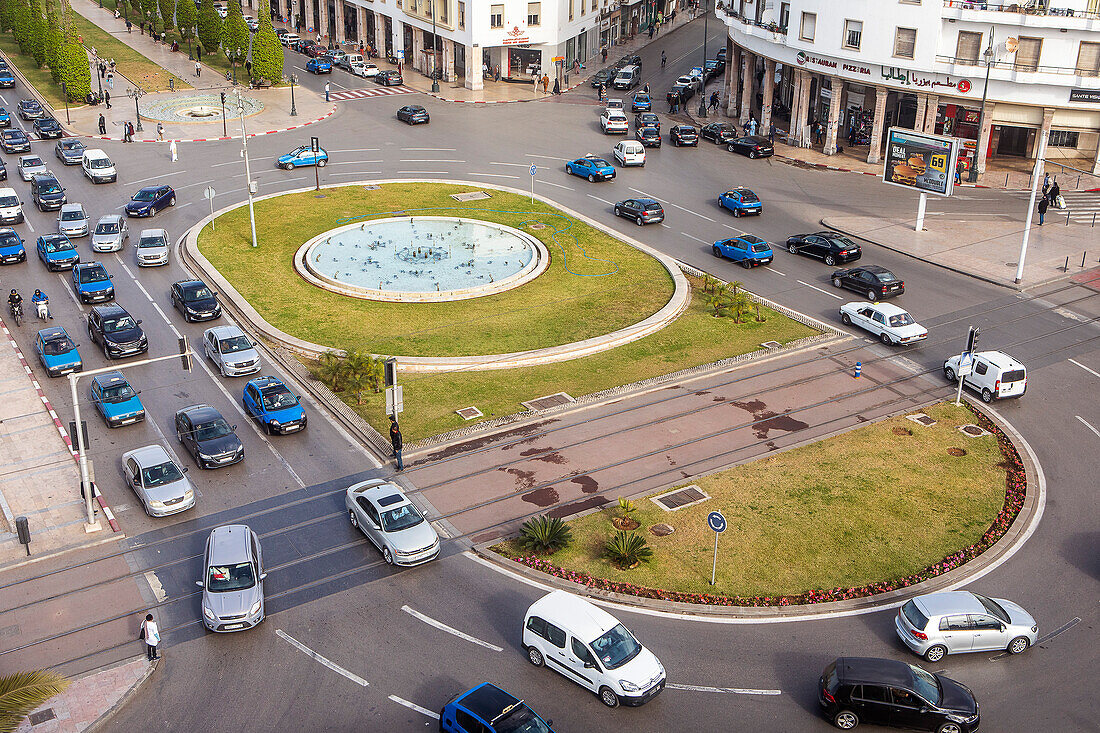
column 89, row 701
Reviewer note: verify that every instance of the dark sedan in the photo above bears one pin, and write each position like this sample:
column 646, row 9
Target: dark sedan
column 684, row 135
column 208, row 437
column 721, row 133
column 649, row 137
column 389, row 78
column 831, row 247
column 30, row 110
column 642, row 211
column 685, row 92
column 69, row 151
column 15, row 141
column 872, row 281
column 46, row 128
column 752, row 146
column 631, row 59
column 603, row 76
column 151, row 199
column 647, row 119
column 413, row 114
column 714, row 67
column 195, row 300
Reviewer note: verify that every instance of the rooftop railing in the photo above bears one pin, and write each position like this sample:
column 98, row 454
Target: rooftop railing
column 1025, row 8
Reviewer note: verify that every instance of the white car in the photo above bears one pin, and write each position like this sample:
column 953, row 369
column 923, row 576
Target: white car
column 887, row 322
column 690, row 81
column 28, row 165
column 72, row 220
column 993, row 374
column 288, row 38
column 152, row 247
column 614, row 122
column 615, row 104
column 364, row 69
column 110, row 233
column 231, row 351
column 629, row 152
column 11, row 208
column 382, row 512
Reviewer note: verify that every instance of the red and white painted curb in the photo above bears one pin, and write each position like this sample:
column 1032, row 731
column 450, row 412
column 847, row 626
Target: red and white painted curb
column 213, row 139
column 56, row 421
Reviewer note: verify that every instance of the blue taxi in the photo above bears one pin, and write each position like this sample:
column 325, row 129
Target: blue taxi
column 489, row 709
column 747, row 249
column 57, row 252
column 741, row 201
column 268, row 401
column 56, row 352
column 116, row 400
column 11, row 247
column 5, row 118
column 641, row 102
column 92, row 282
column 303, row 155
column 7, row 78
column 319, row 66
column 591, row 167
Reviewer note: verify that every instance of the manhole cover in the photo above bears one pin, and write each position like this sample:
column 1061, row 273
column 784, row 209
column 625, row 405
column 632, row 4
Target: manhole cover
column 662, row 530
column 771, row 344
column 687, row 496
column 545, row 403
column 469, row 413
column 371, row 187
column 42, row 716
column 472, row 196
column 957, row 452
column 974, row 431
column 921, row 419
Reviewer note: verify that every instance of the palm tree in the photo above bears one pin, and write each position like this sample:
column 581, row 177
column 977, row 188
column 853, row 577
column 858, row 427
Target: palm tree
column 22, row 692
column 357, row 372
column 331, row 369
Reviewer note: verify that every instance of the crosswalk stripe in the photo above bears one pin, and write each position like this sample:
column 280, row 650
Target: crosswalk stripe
column 364, row 93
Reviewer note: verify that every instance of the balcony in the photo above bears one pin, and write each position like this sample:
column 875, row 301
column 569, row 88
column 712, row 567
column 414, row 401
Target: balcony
column 751, row 23
column 1032, row 14
column 1013, row 67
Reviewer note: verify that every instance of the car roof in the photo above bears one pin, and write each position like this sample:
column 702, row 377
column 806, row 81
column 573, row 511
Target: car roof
column 585, row 621
column 51, row 333
column 940, row 604
column 854, row 670
column 154, row 232
column 888, row 309
column 72, row 207
column 149, row 455
column 648, row 201
column 95, row 153
column 107, row 378
column 8, row 192
column 379, row 491
column 266, row 382
column 150, row 188
column 1000, row 359
column 86, row 265
column 200, row 413
column 226, row 331
column 109, row 310
column 487, row 701
column 105, row 217
column 192, row 282
column 229, row 544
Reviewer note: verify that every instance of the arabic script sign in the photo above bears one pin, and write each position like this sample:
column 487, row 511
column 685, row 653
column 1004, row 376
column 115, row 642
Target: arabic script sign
column 516, row 36
column 930, row 82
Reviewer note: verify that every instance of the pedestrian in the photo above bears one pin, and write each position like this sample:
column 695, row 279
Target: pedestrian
column 771, row 134
column 535, row 84
column 326, row 91
column 651, row 28
column 958, row 172
column 129, row 26
column 714, row 100
column 110, row 80
column 604, row 54
column 174, row 151
column 1055, row 192
column 1046, row 183
column 198, row 69
column 160, row 131
column 395, row 441
column 646, row 88
column 545, row 83
column 102, row 125
column 1043, row 204
column 151, row 634
column 557, row 87
column 852, row 136
column 107, row 98
column 663, row 59
column 752, row 125
column 658, row 27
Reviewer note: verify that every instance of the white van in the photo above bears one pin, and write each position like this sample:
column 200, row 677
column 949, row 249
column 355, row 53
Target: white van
column 628, row 77
column 288, row 38
column 630, row 152
column 994, row 374
column 11, row 208
column 98, row 167
column 589, row 646
column 351, row 58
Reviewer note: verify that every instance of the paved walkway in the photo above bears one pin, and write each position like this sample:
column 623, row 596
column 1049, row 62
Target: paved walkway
column 88, row 699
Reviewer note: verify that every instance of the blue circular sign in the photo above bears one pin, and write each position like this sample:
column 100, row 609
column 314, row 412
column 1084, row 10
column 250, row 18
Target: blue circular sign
column 716, row 521
column 533, row 169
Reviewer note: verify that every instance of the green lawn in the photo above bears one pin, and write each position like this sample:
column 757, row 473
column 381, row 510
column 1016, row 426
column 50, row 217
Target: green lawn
column 40, row 79
column 857, row 508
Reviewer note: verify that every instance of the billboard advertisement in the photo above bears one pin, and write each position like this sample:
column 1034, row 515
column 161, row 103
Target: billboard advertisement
column 921, row 162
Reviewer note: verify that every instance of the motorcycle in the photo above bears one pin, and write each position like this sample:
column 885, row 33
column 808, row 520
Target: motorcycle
column 16, row 312
column 392, row 59
column 43, row 307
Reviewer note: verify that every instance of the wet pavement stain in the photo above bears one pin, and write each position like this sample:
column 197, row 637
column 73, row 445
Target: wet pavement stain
column 525, row 441
column 555, row 458
column 685, row 474
column 718, row 398
column 771, row 445
column 578, row 506
column 524, row 479
column 765, row 420
column 861, row 418
column 471, row 445
column 529, row 451
column 702, row 392
column 670, row 460
column 542, row 497
column 588, row 484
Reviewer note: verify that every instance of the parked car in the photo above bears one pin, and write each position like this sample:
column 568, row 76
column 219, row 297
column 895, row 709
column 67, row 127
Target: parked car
column 642, row 210
column 993, row 374
column 117, row 402
column 15, row 141
column 603, row 76
column 233, row 579
column 151, row 199
column 152, row 248
column 12, row 250
column 302, row 155
column 56, row 352
column 72, row 220
column 269, row 402
column 389, row 78
column 680, row 135
column 714, row 67
column 56, row 252
column 157, row 481
column 110, row 233
column 365, row 69
column 641, row 102
column 413, row 114
column 47, row 128
column 209, row 439
column 752, row 146
column 231, row 351
column 720, row 133
column 831, row 247
column 29, row 165
column 11, row 208
column 92, row 283
column 629, row 152
column 691, row 81
column 382, row 512
column 488, row 709
column 289, row 39
column 856, row 690
column 680, row 92
column 748, row 249
column 872, row 281
column 741, row 201
column 116, row 331
column 649, row 137
column 938, row 624
column 614, row 122
column 69, row 151
column 886, row 321
column 319, row 66
column 594, row 169
column 195, row 301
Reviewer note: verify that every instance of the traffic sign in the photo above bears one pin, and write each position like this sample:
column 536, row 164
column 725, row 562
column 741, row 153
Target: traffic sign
column 716, row 521
column 209, row 192
column 533, row 169
column 966, row 364
column 395, row 399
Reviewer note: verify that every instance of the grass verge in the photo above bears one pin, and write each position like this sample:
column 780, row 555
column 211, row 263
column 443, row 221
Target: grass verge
column 38, row 78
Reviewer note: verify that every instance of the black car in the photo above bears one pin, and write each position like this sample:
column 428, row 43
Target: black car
column 870, row 280
column 721, row 55
column 685, row 92
column 722, row 133
column 642, row 211
column 828, row 246
column 647, row 119
column 714, row 67
column 69, row 151
column 752, row 146
column 30, row 110
column 631, row 59
column 46, row 128
column 46, row 193
column 151, row 199
column 649, row 137
column 15, row 141
column 3, row 171
column 389, row 78
column 116, row 331
column 683, row 135
column 413, row 114
column 858, row 690
column 603, row 76
column 208, row 437
column 195, row 301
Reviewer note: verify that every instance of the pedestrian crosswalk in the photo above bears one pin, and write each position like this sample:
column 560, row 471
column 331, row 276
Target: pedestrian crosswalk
column 369, row 92
column 1083, row 207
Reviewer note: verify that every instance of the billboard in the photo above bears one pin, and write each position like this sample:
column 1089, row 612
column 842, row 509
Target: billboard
column 920, row 162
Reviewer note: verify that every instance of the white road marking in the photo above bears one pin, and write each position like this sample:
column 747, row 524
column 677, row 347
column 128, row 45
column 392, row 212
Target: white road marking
column 546, row 157
column 414, row 706
column 609, row 203
column 428, row 160
column 430, row 150
column 184, row 206
column 556, row 185
column 666, row 226
column 907, row 364
column 1086, row 424
column 156, row 586
column 200, row 183
column 697, row 239
column 219, row 165
column 1090, row 371
column 28, row 223
column 318, row 658
column 69, row 290
column 739, row 231
column 491, row 175
column 450, row 630
column 777, row 272
column 814, row 287
column 681, row 208
column 357, row 173
column 154, row 178
column 731, row 690
column 420, row 173
column 356, row 162
column 642, row 193
column 357, row 150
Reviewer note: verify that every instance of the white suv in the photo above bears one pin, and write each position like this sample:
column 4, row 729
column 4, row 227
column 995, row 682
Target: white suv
column 231, row 350
column 994, row 374
column 614, row 121
column 630, row 152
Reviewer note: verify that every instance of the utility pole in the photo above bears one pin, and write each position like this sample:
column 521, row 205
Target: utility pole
column 981, row 115
column 247, row 170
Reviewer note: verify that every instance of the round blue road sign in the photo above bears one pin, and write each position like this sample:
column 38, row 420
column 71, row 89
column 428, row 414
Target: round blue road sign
column 716, row 521
column 533, row 169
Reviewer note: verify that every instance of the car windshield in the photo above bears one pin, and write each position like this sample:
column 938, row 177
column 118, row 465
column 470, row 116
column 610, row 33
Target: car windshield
column 57, row 346
column 156, row 241
column 59, row 245
column 93, row 275
column 199, row 292
column 73, row 215
column 160, row 475
column 401, row 518
column 901, row 319
column 233, row 344
column 927, row 685
column 212, row 430
column 145, row 195
column 71, row 145
column 991, row 605
column 222, row 578
column 9, row 201
column 107, row 227
column 8, row 239
column 116, row 325
column 521, row 720
column 278, row 398
column 51, row 187
column 99, row 163
column 118, row 393
column 616, row 647
column 885, row 277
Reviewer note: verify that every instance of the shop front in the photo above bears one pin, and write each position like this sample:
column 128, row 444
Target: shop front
column 961, row 122
column 524, row 63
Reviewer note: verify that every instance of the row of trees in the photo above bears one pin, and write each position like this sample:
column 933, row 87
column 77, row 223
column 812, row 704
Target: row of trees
column 353, row 372
column 50, row 39
column 232, row 36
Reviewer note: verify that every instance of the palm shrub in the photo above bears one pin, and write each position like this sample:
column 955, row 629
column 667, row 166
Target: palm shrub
column 545, row 535
column 210, row 26
column 22, row 692
column 148, row 9
column 158, row 26
column 626, row 506
column 267, row 52
column 626, row 549
column 330, row 370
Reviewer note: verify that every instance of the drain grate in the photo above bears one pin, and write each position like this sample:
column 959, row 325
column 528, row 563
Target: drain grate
column 472, row 196
column 371, row 187
column 680, row 498
column 921, row 419
column 771, row 344
column 662, row 530
column 974, row 431
column 545, row 403
column 469, row 413
column 42, row 716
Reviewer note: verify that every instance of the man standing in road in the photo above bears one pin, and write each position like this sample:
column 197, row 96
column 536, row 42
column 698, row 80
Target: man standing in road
column 326, row 91
column 102, row 125
column 198, row 70
column 151, row 634
column 1043, row 204
column 395, row 441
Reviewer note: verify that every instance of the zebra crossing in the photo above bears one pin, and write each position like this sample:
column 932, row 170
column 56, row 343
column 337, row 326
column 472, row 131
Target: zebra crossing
column 351, row 94
column 1083, row 207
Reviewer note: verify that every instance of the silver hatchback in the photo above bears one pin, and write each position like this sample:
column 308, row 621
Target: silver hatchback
column 233, row 579
column 393, row 523
column 110, row 233
column 938, row 624
column 157, row 481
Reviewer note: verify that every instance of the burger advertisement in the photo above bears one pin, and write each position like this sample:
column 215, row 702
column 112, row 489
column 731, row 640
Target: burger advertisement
column 920, row 161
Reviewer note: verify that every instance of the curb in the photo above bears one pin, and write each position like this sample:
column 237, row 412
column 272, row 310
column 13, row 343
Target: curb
column 100, row 723
column 214, row 139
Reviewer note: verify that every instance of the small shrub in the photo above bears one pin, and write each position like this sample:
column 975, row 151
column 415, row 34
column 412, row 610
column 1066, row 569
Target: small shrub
column 626, row 549
column 626, row 505
column 545, row 534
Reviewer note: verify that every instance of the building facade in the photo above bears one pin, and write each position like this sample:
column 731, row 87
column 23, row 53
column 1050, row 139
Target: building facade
column 839, row 73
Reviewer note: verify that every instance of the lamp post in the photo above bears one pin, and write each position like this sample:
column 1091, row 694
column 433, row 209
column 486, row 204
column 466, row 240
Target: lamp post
column 293, row 81
column 703, row 88
column 65, row 94
column 973, row 178
column 98, row 78
column 136, row 94
column 435, row 55
column 247, row 171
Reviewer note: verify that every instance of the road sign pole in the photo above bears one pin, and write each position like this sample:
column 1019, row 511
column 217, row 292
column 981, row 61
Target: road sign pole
column 533, row 169
column 921, row 205
column 959, row 393
column 209, row 194
column 714, row 565
column 716, row 522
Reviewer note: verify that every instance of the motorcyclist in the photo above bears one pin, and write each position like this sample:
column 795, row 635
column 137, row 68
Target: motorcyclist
column 662, row 59
column 15, row 301
column 42, row 304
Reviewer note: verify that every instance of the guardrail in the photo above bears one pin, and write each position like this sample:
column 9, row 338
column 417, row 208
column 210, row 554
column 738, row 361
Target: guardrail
column 772, row 26
column 1013, row 66
column 1035, row 7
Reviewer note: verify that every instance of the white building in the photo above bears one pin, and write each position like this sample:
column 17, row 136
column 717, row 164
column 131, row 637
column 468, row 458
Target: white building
column 865, row 65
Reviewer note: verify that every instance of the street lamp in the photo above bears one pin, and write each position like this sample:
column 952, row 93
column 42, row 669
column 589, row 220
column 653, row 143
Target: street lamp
column 293, row 81
column 65, row 94
column 973, row 178
column 435, row 56
column 98, row 78
column 247, row 172
column 703, row 88
column 136, row 94
column 236, row 57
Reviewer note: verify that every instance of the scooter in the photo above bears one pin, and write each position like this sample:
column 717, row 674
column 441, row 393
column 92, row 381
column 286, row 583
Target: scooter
column 43, row 310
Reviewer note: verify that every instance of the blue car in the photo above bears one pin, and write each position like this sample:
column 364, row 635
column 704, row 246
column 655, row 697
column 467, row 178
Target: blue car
column 268, row 401
column 592, row 168
column 92, row 283
column 151, row 199
column 741, row 201
column 57, row 252
column 7, row 78
column 116, row 400
column 748, row 249
column 319, row 66
column 641, row 102
column 5, row 118
column 303, row 155
column 11, row 247
column 57, row 352
column 489, row 709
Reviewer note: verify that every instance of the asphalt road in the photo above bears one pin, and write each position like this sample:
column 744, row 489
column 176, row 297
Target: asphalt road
column 329, row 591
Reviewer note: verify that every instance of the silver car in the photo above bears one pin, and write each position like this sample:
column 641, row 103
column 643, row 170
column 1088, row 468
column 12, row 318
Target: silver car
column 110, row 233
column 72, row 220
column 960, row 621
column 233, row 579
column 231, row 351
column 152, row 247
column 158, row 481
column 396, row 527
column 28, row 165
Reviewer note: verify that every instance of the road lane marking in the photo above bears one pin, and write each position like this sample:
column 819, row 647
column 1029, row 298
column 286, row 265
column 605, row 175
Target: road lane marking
column 814, row 287
column 1090, row 371
column 1090, row 427
column 28, row 223
column 697, row 239
column 414, row 706
column 517, row 165
column 79, row 305
column 642, row 193
column 356, row 173
column 681, row 208
column 430, row 150
column 420, row 173
column 777, row 272
column 154, row 178
column 357, row 150
column 546, row 157
column 318, row 658
column 728, row 690
column 428, row 160
column 449, row 629
column 491, row 175
column 356, row 162
column 200, row 183
column 609, row 203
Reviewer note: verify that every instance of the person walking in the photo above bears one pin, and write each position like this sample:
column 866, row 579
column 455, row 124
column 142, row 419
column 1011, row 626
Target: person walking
column 645, row 89
column 102, row 125
column 663, row 59
column 110, row 80
column 198, row 70
column 603, row 53
column 535, row 84
column 771, row 134
column 107, row 98
column 151, row 634
column 557, row 87
column 545, row 83
column 174, row 151
column 395, row 441
column 1043, row 204
column 160, row 131
column 752, row 125
column 1046, row 183
column 326, row 91
column 651, row 29
column 1055, row 192
column 129, row 26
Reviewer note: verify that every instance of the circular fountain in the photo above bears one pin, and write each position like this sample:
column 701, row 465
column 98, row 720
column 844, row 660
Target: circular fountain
column 195, row 107
column 420, row 259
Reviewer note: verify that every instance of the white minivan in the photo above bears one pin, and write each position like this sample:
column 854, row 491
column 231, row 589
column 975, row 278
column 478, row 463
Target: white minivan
column 630, row 152
column 98, row 167
column 628, row 77
column 11, row 208
column 589, row 646
column 994, row 374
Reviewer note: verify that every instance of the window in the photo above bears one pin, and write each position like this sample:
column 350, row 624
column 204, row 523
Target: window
column 533, row 13
column 581, row 651
column 985, row 623
column 443, row 10
column 905, row 42
column 571, row 9
column 981, row 367
column 462, row 15
column 555, row 636
column 872, row 693
column 1088, row 59
column 582, row 8
column 809, row 27
column 537, row 625
column 954, row 623
column 784, row 15
column 904, row 698
column 1027, row 53
column 496, row 16
column 1062, row 139
column 853, row 33
column 594, row 6
column 469, row 722
column 968, row 47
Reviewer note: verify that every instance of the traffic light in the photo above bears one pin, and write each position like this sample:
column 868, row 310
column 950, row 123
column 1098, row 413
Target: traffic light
column 972, row 339
column 185, row 354
column 223, row 98
column 391, row 371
